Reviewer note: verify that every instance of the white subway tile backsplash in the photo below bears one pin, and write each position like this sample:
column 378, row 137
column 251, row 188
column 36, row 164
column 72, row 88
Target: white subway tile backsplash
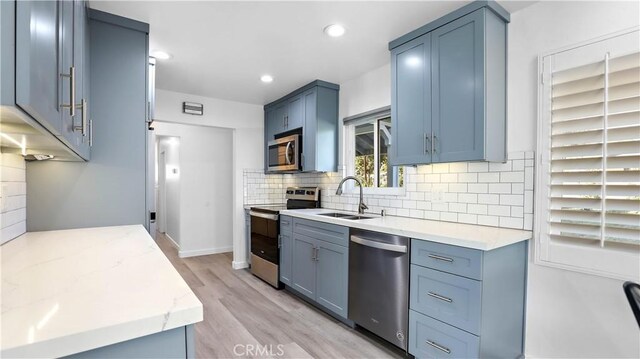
column 467, row 197
column 517, row 177
column 467, row 218
column 478, row 167
column 499, row 188
column 491, row 194
column 468, row 177
column 489, row 198
column 477, row 208
column 13, row 196
column 489, row 177
column 500, row 167
column 511, row 200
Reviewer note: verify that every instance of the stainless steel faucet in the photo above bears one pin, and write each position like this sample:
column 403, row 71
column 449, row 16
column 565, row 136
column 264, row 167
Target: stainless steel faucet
column 361, row 205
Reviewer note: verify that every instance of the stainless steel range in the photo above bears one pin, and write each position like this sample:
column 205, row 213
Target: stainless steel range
column 265, row 230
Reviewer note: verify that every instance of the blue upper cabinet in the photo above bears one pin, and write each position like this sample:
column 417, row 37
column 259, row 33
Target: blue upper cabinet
column 37, row 67
column 295, row 113
column 449, row 88
column 411, row 64
column 310, row 111
column 50, row 69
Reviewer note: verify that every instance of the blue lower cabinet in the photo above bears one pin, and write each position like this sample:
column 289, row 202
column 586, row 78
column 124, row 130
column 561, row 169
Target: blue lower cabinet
column 319, row 264
column 450, row 298
column 455, row 315
column 430, row 338
column 286, row 249
column 303, row 271
column 172, row 343
column 286, row 246
column 331, row 277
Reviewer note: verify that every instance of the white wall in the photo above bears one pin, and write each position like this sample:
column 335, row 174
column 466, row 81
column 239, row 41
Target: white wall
column 569, row 314
column 370, row 91
column 205, row 182
column 246, row 122
column 13, row 202
column 171, row 216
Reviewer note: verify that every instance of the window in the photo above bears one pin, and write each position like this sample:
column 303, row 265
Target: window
column 588, row 201
column 368, row 145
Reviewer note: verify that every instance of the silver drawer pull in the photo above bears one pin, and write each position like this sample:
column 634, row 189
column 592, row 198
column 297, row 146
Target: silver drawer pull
column 438, row 296
column 439, row 347
column 440, row 258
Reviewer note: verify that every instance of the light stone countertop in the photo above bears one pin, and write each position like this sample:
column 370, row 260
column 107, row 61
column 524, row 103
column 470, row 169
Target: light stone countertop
column 457, row 234
column 65, row 292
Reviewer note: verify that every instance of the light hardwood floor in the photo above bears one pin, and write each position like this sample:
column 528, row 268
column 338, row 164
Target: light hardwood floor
column 240, row 309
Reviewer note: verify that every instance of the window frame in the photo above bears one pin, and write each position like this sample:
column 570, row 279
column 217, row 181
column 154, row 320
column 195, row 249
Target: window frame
column 612, row 263
column 348, row 125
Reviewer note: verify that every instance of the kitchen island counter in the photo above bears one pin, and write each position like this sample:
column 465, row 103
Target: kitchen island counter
column 71, row 291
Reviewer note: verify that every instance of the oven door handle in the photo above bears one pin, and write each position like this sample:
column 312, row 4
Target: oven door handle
column 273, row 217
column 379, row 245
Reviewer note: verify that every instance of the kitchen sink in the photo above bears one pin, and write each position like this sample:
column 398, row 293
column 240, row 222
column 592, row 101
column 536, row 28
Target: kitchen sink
column 349, row 216
column 336, row 215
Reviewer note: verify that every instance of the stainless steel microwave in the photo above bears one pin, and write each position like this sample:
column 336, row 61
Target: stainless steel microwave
column 284, row 154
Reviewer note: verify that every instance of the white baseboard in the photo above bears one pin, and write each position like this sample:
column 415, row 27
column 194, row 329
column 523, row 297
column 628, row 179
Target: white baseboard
column 175, row 244
column 204, row 252
column 239, row 264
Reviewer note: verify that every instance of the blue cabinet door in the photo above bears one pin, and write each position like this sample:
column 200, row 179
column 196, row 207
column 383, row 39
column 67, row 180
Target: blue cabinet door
column 303, row 276
column 332, row 277
column 37, row 67
column 295, row 113
column 280, row 119
column 286, row 244
column 81, row 63
column 411, row 102
column 458, row 68
column 67, row 61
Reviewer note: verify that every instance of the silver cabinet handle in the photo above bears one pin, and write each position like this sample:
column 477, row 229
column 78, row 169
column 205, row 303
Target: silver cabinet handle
column 279, row 241
column 440, row 297
column 72, row 91
column 313, row 253
column 90, row 133
column 434, row 148
column 379, row 245
column 439, row 347
column 440, row 258
column 83, row 127
column 427, row 142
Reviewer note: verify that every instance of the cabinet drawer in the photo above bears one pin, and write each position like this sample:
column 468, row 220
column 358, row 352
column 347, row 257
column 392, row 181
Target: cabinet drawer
column 449, row 298
column 327, row 232
column 285, row 224
column 429, row 338
column 447, row 258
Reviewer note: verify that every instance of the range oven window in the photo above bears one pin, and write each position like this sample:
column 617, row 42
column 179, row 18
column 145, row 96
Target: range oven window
column 264, row 238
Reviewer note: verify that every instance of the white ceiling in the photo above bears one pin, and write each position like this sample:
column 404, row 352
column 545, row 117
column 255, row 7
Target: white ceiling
column 220, row 49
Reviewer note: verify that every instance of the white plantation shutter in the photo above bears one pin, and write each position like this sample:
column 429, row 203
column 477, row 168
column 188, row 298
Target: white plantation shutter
column 589, row 180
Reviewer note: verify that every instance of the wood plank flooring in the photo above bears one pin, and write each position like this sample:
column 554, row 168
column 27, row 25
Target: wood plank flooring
column 242, row 310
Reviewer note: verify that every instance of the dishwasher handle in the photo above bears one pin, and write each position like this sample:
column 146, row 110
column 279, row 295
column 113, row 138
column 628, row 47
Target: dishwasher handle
column 379, row 245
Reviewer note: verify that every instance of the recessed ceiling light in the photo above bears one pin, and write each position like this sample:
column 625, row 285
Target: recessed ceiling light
column 266, row 78
column 161, row 55
column 334, row 30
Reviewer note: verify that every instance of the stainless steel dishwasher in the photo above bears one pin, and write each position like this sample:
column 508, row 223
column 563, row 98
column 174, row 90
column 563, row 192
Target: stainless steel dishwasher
column 379, row 284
